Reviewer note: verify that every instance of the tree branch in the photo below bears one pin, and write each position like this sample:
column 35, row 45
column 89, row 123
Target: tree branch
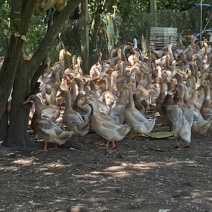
column 50, row 36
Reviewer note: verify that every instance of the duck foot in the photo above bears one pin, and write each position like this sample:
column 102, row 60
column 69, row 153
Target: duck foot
column 107, row 146
column 53, row 148
column 101, row 143
column 187, row 146
column 133, row 134
column 45, row 149
column 177, row 145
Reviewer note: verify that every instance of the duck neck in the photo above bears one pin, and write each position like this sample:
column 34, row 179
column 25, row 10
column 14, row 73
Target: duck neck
column 192, row 80
column 38, row 108
column 180, row 97
column 74, row 61
column 131, row 101
column 186, row 95
column 73, row 92
column 162, row 88
column 207, row 92
column 62, row 58
column 159, row 70
column 113, row 83
column 122, row 98
column 52, row 101
column 95, row 108
column 79, row 85
column 68, row 101
column 107, row 81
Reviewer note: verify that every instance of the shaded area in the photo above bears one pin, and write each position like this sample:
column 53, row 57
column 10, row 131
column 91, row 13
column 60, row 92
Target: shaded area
column 140, row 175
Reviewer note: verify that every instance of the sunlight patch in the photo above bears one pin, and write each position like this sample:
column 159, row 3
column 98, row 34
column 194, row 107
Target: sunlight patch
column 121, row 174
column 9, row 168
column 196, row 193
column 114, row 168
column 25, row 162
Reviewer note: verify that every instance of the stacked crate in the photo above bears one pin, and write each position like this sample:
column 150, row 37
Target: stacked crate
column 159, row 37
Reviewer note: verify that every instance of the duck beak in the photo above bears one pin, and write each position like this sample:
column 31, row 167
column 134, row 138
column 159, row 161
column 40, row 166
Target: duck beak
column 183, row 72
column 199, row 88
column 68, row 53
column 26, row 101
column 174, row 89
column 59, row 95
column 84, row 103
column 70, row 81
column 86, row 95
column 100, row 79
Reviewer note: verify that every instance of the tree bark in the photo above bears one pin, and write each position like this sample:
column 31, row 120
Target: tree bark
column 19, row 115
column 4, row 126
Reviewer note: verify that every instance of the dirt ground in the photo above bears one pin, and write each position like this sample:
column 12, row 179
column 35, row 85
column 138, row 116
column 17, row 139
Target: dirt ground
column 140, row 175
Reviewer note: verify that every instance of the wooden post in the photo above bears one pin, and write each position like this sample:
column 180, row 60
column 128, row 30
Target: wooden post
column 84, row 35
column 153, row 11
column 199, row 18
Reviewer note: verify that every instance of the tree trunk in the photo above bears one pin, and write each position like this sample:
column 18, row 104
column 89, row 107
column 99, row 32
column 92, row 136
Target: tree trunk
column 25, row 80
column 8, row 70
column 4, row 126
column 19, row 114
column 84, row 35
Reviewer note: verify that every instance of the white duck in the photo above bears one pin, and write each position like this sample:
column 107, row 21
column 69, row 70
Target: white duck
column 72, row 119
column 135, row 118
column 181, row 116
column 110, row 131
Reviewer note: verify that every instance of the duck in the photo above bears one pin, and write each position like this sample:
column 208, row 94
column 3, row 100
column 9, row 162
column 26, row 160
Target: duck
column 60, row 65
column 168, row 100
column 107, row 97
column 116, row 112
column 135, row 118
column 206, row 108
column 131, row 55
column 83, row 110
column 72, row 119
column 192, row 89
column 50, row 112
column 96, row 69
column 181, row 116
column 139, row 105
column 111, row 132
column 209, row 79
column 200, row 126
column 159, row 100
column 52, row 104
column 45, row 127
column 75, row 70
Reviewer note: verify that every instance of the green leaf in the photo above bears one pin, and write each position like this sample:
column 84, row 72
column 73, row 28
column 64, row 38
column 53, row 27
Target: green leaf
column 6, row 32
column 16, row 34
column 23, row 37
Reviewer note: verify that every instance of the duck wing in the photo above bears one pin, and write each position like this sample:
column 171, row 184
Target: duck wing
column 74, row 119
column 138, row 116
column 188, row 112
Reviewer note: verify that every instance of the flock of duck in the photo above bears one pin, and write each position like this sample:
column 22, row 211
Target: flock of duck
column 175, row 82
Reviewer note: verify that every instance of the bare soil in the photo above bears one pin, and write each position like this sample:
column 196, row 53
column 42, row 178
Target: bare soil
column 140, row 175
